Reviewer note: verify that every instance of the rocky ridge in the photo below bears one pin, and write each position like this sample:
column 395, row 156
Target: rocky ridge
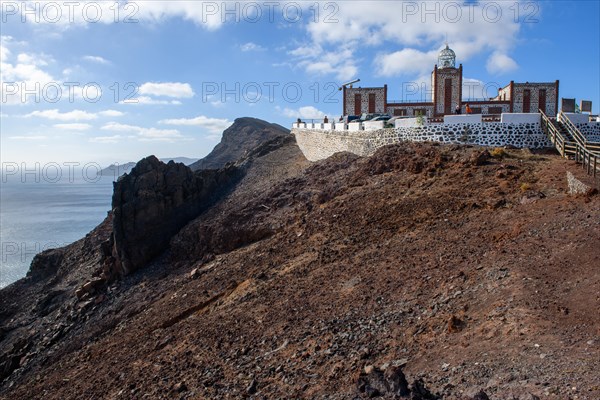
column 244, row 135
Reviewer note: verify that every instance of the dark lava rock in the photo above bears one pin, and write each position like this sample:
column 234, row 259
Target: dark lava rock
column 153, row 202
column 481, row 396
column 392, row 382
column 480, row 158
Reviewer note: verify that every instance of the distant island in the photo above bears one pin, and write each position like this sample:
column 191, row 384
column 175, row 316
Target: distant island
column 117, row 170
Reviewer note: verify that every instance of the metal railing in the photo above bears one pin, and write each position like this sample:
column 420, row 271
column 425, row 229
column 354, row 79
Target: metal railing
column 422, row 101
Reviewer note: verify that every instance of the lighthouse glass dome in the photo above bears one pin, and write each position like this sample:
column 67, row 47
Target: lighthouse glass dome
column 447, row 58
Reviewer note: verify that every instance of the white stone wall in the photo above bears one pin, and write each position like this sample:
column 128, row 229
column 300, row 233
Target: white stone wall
column 576, row 118
column 591, row 131
column 521, row 118
column 462, row 119
column 317, row 145
column 408, row 122
column 373, row 125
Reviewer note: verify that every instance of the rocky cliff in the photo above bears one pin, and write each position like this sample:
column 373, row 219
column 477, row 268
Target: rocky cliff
column 244, row 135
column 154, row 201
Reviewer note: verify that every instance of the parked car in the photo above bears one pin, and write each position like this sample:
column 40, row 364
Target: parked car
column 384, row 117
column 372, row 116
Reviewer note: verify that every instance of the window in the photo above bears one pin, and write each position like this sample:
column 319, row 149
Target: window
column 400, row 112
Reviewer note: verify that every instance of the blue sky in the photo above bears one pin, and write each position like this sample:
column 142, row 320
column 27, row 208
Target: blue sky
column 116, row 81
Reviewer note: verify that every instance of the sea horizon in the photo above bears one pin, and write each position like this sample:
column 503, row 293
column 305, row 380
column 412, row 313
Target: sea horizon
column 44, row 210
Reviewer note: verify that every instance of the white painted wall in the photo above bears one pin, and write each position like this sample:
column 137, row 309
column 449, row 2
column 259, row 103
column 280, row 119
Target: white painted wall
column 577, row 118
column 462, row 119
column 355, row 126
column 340, row 126
column 407, row 122
column 373, row 125
column 521, row 118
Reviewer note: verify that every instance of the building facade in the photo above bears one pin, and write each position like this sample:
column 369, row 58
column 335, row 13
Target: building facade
column 446, row 84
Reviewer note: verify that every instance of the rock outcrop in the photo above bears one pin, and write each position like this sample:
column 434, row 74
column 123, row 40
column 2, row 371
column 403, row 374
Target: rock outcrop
column 238, row 140
column 153, row 202
column 45, row 263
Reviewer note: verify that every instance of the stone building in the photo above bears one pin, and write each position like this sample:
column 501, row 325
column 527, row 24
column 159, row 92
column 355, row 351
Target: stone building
column 446, row 84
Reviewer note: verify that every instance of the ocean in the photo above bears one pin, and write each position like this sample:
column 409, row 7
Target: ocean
column 38, row 214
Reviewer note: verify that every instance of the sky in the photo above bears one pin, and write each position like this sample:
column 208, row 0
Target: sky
column 115, row 81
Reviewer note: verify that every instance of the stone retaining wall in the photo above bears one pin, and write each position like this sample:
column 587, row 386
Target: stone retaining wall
column 320, row 144
column 591, row 130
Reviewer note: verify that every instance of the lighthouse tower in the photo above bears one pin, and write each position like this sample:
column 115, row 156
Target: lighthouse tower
column 446, row 82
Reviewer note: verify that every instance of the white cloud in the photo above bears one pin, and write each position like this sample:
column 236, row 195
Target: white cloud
column 96, row 59
column 115, row 126
column 64, row 15
column 500, row 63
column 37, row 60
column 406, row 61
column 106, row 139
column 21, row 72
column 415, row 29
column 111, row 113
column 29, row 138
column 340, row 62
column 54, row 114
column 252, row 47
column 167, row 89
column 306, row 112
column 145, row 134
column 73, row 127
column 153, row 134
column 4, row 51
column 143, row 100
column 207, row 14
column 213, row 125
column 477, row 89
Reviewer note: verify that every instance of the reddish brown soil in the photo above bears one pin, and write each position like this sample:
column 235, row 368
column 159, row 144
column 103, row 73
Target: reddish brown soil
column 474, row 277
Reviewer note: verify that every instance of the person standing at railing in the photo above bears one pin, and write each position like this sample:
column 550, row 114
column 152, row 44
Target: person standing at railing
column 468, row 108
column 326, row 120
column 457, row 110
